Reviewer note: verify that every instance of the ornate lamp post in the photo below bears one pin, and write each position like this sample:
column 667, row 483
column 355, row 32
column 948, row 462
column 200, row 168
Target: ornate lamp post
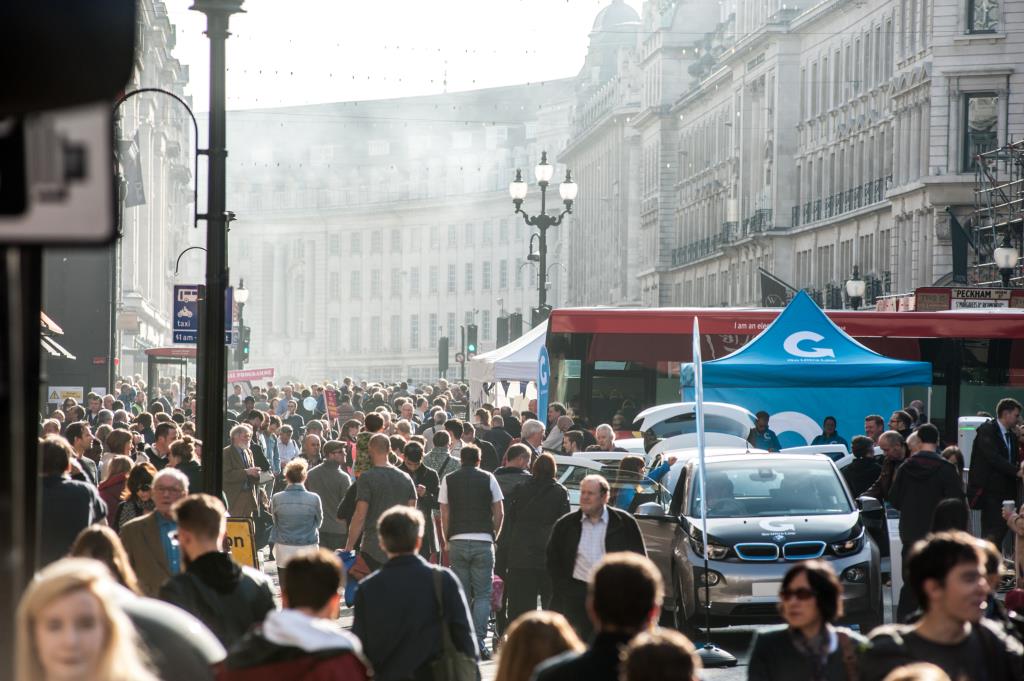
column 855, row 289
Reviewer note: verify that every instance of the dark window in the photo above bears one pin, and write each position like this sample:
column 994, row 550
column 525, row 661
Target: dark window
column 981, row 119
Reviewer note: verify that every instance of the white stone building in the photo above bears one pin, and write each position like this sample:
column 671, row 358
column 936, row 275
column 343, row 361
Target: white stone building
column 809, row 138
column 367, row 230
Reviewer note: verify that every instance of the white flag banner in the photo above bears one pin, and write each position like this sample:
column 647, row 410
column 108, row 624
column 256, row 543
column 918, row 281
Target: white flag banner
column 698, row 391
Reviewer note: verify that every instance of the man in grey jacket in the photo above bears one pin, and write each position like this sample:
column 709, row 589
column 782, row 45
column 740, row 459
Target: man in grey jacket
column 330, row 483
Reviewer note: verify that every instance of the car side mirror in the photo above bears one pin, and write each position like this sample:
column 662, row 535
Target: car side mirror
column 869, row 504
column 652, row 509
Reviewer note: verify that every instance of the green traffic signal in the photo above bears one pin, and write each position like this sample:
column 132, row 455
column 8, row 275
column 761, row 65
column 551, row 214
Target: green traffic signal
column 471, row 338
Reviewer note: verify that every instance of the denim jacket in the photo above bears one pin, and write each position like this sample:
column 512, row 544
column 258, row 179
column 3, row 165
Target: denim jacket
column 297, row 516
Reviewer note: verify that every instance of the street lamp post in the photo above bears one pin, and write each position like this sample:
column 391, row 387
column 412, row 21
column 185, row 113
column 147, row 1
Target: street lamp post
column 855, row 289
column 241, row 297
column 544, row 171
column 212, row 375
column 1006, row 259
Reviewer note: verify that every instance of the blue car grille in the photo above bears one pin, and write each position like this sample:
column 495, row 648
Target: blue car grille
column 803, row 550
column 757, row 551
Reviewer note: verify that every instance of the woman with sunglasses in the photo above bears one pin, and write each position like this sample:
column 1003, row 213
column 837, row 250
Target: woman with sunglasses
column 137, row 498
column 809, row 647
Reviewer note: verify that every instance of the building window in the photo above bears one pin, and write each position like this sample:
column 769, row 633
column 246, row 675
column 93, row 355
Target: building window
column 376, row 241
column 519, row 277
column 433, row 288
column 396, row 333
column 451, row 279
column 432, row 331
column 435, row 237
column 414, row 332
column 469, row 277
column 333, row 329
column 982, row 16
column 451, row 326
column 415, row 240
column 333, row 284
column 503, row 274
column 375, row 285
column 376, row 342
column 485, row 323
column 357, row 243
column 981, row 119
column 503, row 232
column 355, row 284
column 333, row 244
column 396, row 283
column 354, row 341
column 396, row 240
column 485, row 275
column 469, row 234
column 453, row 236
column 468, row 317
column 414, row 281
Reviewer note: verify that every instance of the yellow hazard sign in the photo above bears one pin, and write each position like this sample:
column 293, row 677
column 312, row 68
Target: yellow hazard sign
column 242, row 539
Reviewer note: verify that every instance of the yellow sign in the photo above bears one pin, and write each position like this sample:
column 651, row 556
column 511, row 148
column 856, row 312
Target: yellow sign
column 59, row 393
column 242, row 539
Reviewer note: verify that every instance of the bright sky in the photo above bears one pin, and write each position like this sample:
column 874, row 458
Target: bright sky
column 286, row 52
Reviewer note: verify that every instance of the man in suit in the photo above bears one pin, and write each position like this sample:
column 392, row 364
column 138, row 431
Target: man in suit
column 402, row 648
column 241, row 475
column 579, row 540
column 995, row 470
column 147, row 540
column 498, row 436
column 79, row 434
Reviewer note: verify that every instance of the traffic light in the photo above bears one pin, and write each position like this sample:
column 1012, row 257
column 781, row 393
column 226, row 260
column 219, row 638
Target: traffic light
column 502, row 330
column 471, row 339
column 442, row 355
column 515, row 326
column 244, row 344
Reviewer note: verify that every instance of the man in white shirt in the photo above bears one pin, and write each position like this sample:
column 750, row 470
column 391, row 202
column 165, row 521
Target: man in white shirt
column 286, row 446
column 472, row 511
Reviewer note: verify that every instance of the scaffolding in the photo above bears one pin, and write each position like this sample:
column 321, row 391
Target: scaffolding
column 998, row 209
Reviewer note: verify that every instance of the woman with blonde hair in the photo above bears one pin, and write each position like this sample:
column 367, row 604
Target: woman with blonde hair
column 101, row 543
column 69, row 628
column 534, row 637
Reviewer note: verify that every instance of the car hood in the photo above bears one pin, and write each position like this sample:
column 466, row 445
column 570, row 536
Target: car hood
column 780, row 529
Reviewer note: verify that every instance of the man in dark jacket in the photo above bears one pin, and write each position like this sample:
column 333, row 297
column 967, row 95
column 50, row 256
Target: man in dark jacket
column 895, row 449
column 68, row 506
column 427, row 487
column 947, row 574
column 489, row 460
column 994, row 470
column 515, row 471
column 299, row 642
column 498, row 436
column 864, row 470
column 626, row 599
column 920, row 484
column 227, row 597
column 401, row 648
column 578, row 542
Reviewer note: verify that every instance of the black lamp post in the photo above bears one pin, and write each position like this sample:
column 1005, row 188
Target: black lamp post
column 212, row 374
column 1006, row 259
column 241, row 297
column 544, row 171
column 855, row 289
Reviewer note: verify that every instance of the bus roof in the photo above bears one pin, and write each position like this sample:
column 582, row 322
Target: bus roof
column 988, row 323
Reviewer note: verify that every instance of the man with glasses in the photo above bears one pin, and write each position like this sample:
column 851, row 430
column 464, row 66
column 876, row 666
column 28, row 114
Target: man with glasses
column 894, row 447
column 241, row 474
column 149, row 541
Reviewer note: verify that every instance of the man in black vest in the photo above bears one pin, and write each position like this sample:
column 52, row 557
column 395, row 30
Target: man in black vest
column 994, row 471
column 471, row 516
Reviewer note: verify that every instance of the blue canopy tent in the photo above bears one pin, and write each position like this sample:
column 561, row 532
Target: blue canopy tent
column 802, row 368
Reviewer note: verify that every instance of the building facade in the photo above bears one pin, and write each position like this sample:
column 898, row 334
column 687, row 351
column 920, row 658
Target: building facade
column 112, row 303
column 806, row 139
column 368, row 230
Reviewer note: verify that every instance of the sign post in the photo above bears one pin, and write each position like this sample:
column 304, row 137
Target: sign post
column 186, row 314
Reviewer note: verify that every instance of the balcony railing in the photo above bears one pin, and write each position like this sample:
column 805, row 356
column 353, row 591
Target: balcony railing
column 696, row 250
column 796, row 216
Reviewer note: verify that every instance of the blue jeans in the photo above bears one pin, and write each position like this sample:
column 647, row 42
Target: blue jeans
column 473, row 563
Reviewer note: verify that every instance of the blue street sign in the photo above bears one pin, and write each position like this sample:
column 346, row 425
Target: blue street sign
column 543, row 384
column 185, row 314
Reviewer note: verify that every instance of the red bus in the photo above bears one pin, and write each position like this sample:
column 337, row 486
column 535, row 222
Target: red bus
column 610, row 363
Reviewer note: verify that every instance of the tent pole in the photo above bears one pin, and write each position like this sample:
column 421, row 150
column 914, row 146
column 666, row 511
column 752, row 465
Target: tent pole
column 929, row 404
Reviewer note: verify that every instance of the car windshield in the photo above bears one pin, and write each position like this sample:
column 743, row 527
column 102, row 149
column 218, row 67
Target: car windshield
column 628, row 490
column 686, row 424
column 744, row 489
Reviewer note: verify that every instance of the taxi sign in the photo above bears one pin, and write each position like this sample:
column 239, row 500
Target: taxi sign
column 241, row 538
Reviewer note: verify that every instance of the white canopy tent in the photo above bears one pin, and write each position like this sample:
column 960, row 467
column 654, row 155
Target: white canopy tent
column 516, row 361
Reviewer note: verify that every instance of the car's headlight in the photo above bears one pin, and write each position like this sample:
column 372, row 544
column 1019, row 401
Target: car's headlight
column 716, row 551
column 849, row 546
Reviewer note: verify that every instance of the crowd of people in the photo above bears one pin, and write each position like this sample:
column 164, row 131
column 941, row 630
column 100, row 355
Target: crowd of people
column 453, row 541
